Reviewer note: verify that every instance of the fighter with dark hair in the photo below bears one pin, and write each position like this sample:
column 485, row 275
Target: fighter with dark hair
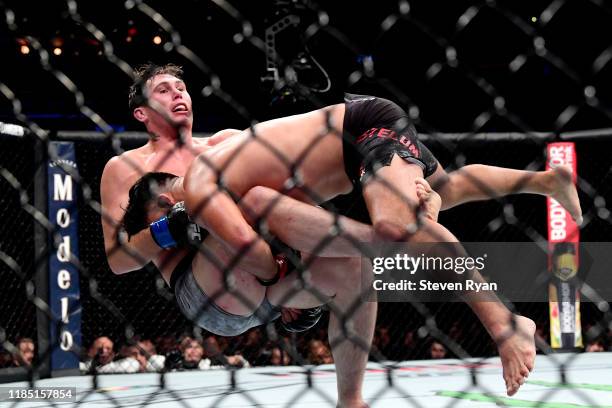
column 366, row 145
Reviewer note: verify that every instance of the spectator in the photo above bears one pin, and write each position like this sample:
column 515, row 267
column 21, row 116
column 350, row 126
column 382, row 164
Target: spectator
column 194, row 356
column 319, row 353
column 409, row 348
column 215, row 352
column 6, row 359
column 382, row 342
column 24, row 355
column 144, row 352
column 252, row 346
column 437, row 350
column 596, row 345
column 192, row 353
column 134, row 352
column 166, row 344
column 456, row 333
column 278, row 357
column 155, row 362
column 101, row 357
column 102, row 350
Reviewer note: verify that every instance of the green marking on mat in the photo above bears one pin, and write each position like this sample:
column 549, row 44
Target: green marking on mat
column 582, row 386
column 510, row 402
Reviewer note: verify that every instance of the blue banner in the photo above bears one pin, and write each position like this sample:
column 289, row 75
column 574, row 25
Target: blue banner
column 64, row 291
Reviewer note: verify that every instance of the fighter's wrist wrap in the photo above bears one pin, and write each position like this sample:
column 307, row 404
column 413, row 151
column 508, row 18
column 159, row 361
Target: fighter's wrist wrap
column 160, row 231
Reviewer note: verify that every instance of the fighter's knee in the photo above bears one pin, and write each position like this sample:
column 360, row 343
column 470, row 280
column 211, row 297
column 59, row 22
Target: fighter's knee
column 346, row 276
column 354, row 276
column 257, row 199
column 338, row 275
column 388, row 230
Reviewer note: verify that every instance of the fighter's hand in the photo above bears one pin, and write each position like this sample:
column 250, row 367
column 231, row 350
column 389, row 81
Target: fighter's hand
column 175, row 229
column 429, row 201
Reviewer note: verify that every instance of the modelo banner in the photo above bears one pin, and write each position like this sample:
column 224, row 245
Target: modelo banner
column 563, row 260
column 64, row 291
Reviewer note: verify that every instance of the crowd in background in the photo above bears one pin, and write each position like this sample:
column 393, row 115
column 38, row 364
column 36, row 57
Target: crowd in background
column 23, row 354
column 253, row 348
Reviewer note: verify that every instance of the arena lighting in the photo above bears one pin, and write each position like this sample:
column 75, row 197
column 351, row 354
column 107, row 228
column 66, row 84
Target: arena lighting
column 157, row 40
column 23, row 46
column 534, row 19
column 131, row 33
column 57, row 42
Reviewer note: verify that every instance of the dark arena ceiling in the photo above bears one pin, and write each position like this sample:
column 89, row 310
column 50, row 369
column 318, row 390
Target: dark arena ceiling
column 459, row 65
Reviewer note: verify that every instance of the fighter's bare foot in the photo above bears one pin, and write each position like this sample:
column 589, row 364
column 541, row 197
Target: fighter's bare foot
column 517, row 351
column 562, row 189
column 430, row 201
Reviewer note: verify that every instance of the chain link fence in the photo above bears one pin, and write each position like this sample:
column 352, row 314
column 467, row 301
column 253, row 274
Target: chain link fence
column 510, row 77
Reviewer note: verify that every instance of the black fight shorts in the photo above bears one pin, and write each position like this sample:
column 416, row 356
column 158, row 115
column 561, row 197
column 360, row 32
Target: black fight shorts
column 376, row 129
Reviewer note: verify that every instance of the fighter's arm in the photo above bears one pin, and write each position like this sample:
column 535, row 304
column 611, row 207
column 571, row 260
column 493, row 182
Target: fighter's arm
column 123, row 256
column 213, row 208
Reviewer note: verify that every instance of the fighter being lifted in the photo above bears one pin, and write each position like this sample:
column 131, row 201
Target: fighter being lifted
column 366, row 145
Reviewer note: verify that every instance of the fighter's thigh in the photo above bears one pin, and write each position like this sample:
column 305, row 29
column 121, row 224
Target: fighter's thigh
column 305, row 140
column 236, row 292
column 390, row 194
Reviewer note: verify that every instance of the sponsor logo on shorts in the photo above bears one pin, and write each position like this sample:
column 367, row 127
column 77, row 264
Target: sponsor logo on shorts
column 383, row 133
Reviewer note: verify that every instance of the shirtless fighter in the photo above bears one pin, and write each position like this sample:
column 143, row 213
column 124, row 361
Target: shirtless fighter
column 160, row 100
column 334, row 149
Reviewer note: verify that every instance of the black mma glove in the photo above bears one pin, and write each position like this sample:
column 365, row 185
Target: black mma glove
column 176, row 229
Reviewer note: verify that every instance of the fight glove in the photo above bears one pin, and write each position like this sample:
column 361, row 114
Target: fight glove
column 176, row 229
